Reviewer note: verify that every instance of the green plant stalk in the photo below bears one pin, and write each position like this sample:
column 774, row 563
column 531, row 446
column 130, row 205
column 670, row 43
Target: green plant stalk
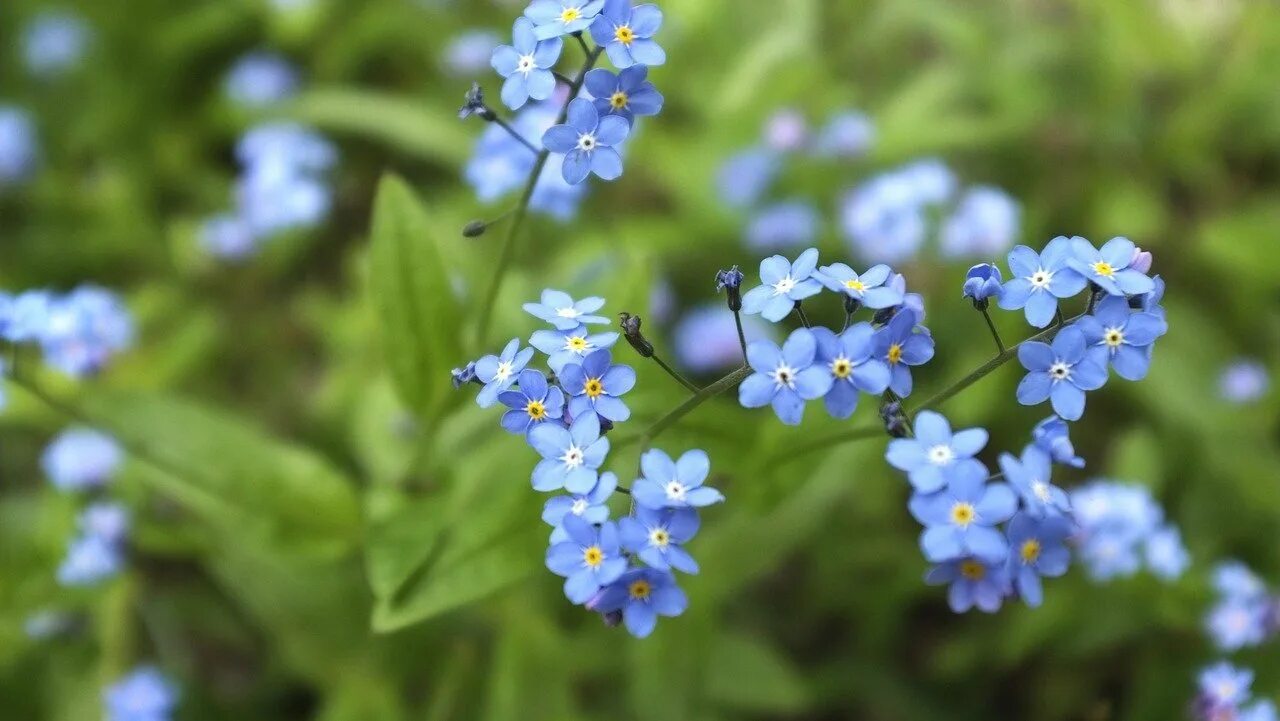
column 994, row 333
column 674, row 374
column 684, row 409
column 742, row 336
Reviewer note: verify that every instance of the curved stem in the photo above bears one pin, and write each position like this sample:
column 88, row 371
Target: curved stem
column 672, row 372
column 994, row 333
column 682, row 410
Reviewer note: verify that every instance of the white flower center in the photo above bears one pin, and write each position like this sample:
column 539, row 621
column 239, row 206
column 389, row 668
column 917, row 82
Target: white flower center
column 572, row 457
column 784, row 286
column 941, row 455
column 568, row 312
column 1041, row 490
column 579, row 507
column 1113, row 337
column 587, row 142
column 1041, row 278
column 1060, row 371
column 676, row 491
column 526, row 64
column 784, row 376
column 504, row 371
column 659, row 537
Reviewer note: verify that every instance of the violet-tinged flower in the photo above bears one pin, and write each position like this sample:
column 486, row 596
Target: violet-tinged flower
column 499, row 372
column 786, row 130
column 1060, row 373
column 931, row 458
column 785, row 284
column 108, row 521
column 960, row 520
column 1119, row 337
column 973, row 582
column 783, row 225
column 626, row 33
column 594, row 386
column 1236, row 623
column 570, row 456
column 784, row 378
column 674, row 484
column 1142, row 260
column 744, row 178
column 591, row 506
column 641, row 595
column 1244, row 381
column 1111, row 267
column 590, row 559
column 1039, row 280
column 1037, row 549
column 1225, row 685
column 981, row 284
column 554, row 18
column 872, row 289
column 1030, row 476
column 562, row 311
column 570, row 346
column 627, row 94
column 658, row 537
column 902, row 346
column 527, row 65
column 849, row 358
column 1052, row 437
column 535, row 402
column 588, row 142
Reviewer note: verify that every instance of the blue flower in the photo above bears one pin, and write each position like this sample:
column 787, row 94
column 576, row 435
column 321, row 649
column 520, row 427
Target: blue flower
column 54, row 42
column 227, row 236
column 144, row 695
column 469, row 52
column 570, row 346
column 849, row 358
column 706, row 339
column 1244, row 381
column 984, row 223
column 901, row 346
column 83, row 330
column 785, row 378
column 591, row 506
column 641, row 595
column 1238, row 623
column 871, row 289
column 90, row 560
column 594, row 386
column 527, row 65
column 1234, row 580
column 1060, row 373
column 1039, row 280
column 1225, row 685
column 885, row 218
column 627, row 94
column 1051, row 436
column 534, row 403
column 785, row 284
column 974, row 582
column 260, row 79
column 846, row 135
column 678, row 484
column 18, row 145
column 1166, row 556
column 1120, row 338
column 81, row 459
column 960, row 520
column 1260, row 711
column 1030, row 477
column 588, row 142
column 563, row 312
column 936, row 455
column 657, row 537
column 1114, row 520
column 561, row 17
column 745, row 177
column 783, row 225
column 107, row 521
column 570, row 457
column 590, row 559
column 1037, row 549
column 499, row 372
column 786, row 130
column 982, row 283
column 1110, row 268
column 626, row 33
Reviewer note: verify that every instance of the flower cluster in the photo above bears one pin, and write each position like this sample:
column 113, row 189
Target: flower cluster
column 97, row 552
column 1225, row 695
column 1246, row 614
column 19, row 148
column 84, row 461
column 621, row 569
column 78, row 332
column 144, row 695
column 1122, row 529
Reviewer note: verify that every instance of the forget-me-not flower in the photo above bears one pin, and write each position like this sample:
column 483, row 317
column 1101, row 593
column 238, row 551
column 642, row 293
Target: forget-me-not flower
column 499, row 372
column 901, row 346
column 83, row 329
column 260, row 79
column 562, row 311
column 961, row 519
column 1233, row 579
column 527, row 65
column 783, row 225
column 1052, row 436
column 80, row 459
column 706, row 339
column 1059, row 373
column 53, row 42
column 1119, row 337
column 469, row 52
column 594, row 386
column 1244, row 381
column 1235, row 623
column 1111, row 267
column 18, row 145
column 1226, row 685
column 784, row 378
column 591, row 506
column 846, row 135
column 228, row 236
column 570, row 456
column 590, row 559
column 627, row 94
column 535, row 402
column 871, row 289
column 678, row 484
column 1039, row 280
column 657, row 536
column 144, row 695
column 641, row 595
column 554, row 18
column 985, row 222
column 1166, row 556
column 1029, row 476
column 588, row 142
column 745, row 177
column 849, row 358
column 90, row 560
column 973, row 582
column 1114, row 520
column 626, row 33
column 785, row 284
column 1037, row 549
column 570, row 346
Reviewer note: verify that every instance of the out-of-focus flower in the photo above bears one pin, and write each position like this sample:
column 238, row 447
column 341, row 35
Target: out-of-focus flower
column 786, row 131
column 468, row 52
column 54, row 42
column 706, row 338
column 984, row 224
column 18, row 148
column 1244, row 381
column 783, row 225
column 260, row 79
column 143, row 695
column 745, row 177
column 846, row 135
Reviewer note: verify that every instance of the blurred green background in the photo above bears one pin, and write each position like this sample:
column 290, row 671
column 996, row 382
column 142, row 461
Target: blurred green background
column 310, row 547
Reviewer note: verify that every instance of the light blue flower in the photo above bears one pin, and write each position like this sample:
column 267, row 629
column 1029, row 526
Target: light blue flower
column 590, row 559
column 1244, row 381
column 981, row 283
column 1051, row 436
column 628, row 94
column 144, row 695
column 499, row 372
column 983, row 224
column 54, row 42
column 786, row 130
column 588, row 142
column 641, row 595
column 562, row 311
column 469, row 52
column 885, row 220
column 570, row 457
column 1119, row 337
column 107, row 521
column 18, row 145
column 961, row 519
column 973, row 582
column 657, row 537
column 1234, row 580
column 1166, row 556
column 626, row 33
column 871, row 289
column 785, row 284
column 532, row 404
column 744, row 178
column 1037, row 549
column 849, row 358
column 784, row 378
column 1114, row 521
column 706, row 339
column 1226, row 685
column 935, row 454
column 901, row 345
column 89, row 561
column 24, row 317
column 1039, row 280
column 678, row 484
column 563, row 347
column 1030, row 477
column 595, row 386
column 1237, row 623
column 1059, row 373
column 783, row 225
column 260, row 79
column 227, row 236
column 1259, row 711
column 554, row 18
column 80, row 459
column 591, row 506
column 847, row 134
column 527, row 65
column 1111, row 267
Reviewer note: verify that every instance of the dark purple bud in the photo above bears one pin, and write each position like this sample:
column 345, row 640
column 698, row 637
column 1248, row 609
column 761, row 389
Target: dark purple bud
column 895, row 421
column 606, row 425
column 982, row 283
column 631, row 331
column 465, row 375
column 612, row 619
column 730, row 281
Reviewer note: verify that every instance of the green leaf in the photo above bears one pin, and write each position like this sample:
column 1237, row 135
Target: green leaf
column 409, row 126
column 411, row 291
column 746, row 673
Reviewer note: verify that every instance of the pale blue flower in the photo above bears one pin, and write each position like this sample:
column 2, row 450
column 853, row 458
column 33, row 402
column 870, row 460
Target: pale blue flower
column 784, row 285
column 984, row 224
column 674, row 484
column 144, row 695
column 1111, row 267
column 260, row 79
column 562, row 311
column 626, row 33
column 527, row 65
column 570, row 457
column 784, row 378
column 1038, row 280
column 499, row 372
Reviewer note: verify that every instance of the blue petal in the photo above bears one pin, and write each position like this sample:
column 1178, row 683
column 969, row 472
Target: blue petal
column 799, row 349
column 582, row 116
column 1068, row 401
column 612, row 131
column 941, row 543
column 1040, row 308
column 1036, row 356
column 576, row 167
column 601, row 83
column 841, row 401
column 905, row 454
column 1034, row 388
column 1131, row 363
column 646, row 20
column 777, row 308
column 774, row 269
column 606, row 163
column 788, row 406
column 693, row 467
column 756, row 391
column 612, row 408
column 505, row 60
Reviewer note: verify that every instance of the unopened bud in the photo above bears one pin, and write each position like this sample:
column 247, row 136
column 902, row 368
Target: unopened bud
column 895, row 421
column 475, row 229
column 631, row 331
column 730, row 281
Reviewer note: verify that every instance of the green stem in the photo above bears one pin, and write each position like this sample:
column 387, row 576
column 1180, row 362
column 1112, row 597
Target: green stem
column 742, row 336
column 672, row 372
column 682, row 410
column 994, row 333
column 506, row 252
column 854, row 434
column 803, row 318
column 515, row 134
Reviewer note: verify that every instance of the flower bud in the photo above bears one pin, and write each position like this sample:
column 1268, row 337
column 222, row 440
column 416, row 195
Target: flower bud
column 475, row 229
column 982, row 283
column 730, row 281
column 473, row 104
column 895, row 421
column 1141, row 260
column 631, row 331
column 464, row 375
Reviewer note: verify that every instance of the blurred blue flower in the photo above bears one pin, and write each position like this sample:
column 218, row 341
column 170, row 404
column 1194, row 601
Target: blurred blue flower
column 784, row 378
column 1039, row 280
column 641, row 595
column 1114, row 521
column 1166, row 556
column 783, row 225
column 1037, row 550
column 84, row 329
column 501, row 164
column 23, row 317
column 849, row 359
column 562, row 311
column 706, row 338
column 628, row 94
column 108, row 521
column 1111, row 267
column 961, row 519
column 1234, row 580
column 227, row 236
column 678, row 484
column 973, row 582
column 871, row 289
column 626, row 33
column 80, row 459
column 527, row 65
column 1237, row 623
column 260, row 79
column 282, row 147
column 89, row 561
column 563, row 347
column 18, row 144
column 1263, row 710
column 144, row 695
column 54, row 42
column 1030, row 476
column 588, row 142
column 570, row 457
column 984, row 224
column 535, row 402
column 785, row 284
column 786, row 131
column 935, row 453
column 1051, row 436
column 982, row 283
column 1244, row 381
column 846, row 135
column 1059, row 373
column 900, row 345
column 595, row 384
column 280, row 188
column 1226, row 685
column 591, row 506
column 553, row 18
column 745, row 177
column 590, row 559
column 884, row 218
column 657, row 537
column 468, row 52
column 499, row 372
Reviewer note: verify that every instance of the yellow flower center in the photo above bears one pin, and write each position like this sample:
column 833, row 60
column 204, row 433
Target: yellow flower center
column 841, row 368
column 962, row 514
column 855, row 285
column 973, row 570
column 895, row 354
column 536, row 410
column 592, row 556
column 569, row 15
column 593, row 388
column 1104, row 269
column 618, row 100
column 1030, row 550
column 640, row 590
column 577, row 343
column 1113, row 337
column 624, row 34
